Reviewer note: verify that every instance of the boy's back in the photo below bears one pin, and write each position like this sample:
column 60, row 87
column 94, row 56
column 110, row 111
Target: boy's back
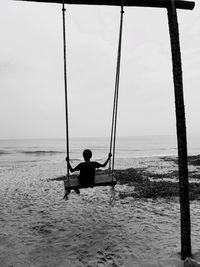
column 87, row 172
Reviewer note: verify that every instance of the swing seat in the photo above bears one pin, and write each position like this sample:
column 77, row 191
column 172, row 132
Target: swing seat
column 100, row 180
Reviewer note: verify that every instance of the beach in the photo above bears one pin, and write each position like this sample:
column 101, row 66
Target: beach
column 142, row 228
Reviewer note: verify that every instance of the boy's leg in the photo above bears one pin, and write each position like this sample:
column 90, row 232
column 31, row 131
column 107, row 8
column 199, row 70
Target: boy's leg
column 67, row 192
column 77, row 191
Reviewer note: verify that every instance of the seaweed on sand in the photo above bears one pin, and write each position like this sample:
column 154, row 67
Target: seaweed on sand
column 153, row 189
column 145, row 188
column 192, row 160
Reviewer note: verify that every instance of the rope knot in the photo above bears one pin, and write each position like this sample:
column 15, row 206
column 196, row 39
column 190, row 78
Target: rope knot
column 63, row 9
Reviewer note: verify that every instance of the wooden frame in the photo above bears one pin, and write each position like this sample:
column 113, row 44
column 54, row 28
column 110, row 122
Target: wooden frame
column 140, row 3
column 171, row 6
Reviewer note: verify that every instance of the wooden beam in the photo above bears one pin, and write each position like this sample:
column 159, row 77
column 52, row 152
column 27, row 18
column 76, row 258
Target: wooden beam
column 180, row 4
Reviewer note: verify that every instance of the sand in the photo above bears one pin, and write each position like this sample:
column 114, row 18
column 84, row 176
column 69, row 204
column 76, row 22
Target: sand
column 39, row 228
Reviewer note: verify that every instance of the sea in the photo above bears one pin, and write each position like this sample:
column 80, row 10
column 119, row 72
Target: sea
column 25, row 151
column 40, row 229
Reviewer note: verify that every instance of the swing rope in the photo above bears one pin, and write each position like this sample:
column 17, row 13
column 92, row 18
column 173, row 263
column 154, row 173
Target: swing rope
column 65, row 86
column 116, row 97
column 116, row 92
column 115, row 108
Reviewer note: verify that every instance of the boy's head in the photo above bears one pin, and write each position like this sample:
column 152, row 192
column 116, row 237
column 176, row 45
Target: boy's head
column 87, row 154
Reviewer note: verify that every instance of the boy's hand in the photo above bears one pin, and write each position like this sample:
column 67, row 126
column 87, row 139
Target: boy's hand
column 67, row 159
column 109, row 155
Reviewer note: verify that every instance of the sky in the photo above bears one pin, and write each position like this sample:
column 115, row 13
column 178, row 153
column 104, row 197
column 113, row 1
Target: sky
column 32, row 101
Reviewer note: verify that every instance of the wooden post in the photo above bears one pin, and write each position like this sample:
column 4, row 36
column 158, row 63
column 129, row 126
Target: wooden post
column 181, row 134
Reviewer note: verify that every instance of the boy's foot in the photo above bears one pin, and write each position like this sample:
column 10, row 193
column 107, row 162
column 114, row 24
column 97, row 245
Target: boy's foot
column 67, row 192
column 66, row 196
column 77, row 191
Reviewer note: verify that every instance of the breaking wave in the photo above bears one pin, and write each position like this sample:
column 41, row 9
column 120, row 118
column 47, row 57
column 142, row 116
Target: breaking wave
column 4, row 152
column 41, row 152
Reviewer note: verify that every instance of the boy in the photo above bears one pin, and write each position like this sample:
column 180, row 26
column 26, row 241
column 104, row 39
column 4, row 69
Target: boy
column 87, row 169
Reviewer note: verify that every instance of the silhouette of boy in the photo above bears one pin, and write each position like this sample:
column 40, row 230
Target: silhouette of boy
column 87, row 169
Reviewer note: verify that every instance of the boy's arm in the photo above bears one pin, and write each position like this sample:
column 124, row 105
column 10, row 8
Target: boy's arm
column 69, row 165
column 106, row 162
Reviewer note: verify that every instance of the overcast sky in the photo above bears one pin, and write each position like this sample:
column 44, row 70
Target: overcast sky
column 31, row 70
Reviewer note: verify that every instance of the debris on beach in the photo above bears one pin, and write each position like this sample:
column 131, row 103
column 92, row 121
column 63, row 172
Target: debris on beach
column 189, row 262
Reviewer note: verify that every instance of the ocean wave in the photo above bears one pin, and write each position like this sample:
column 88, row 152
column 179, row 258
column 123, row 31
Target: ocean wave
column 41, row 152
column 4, row 152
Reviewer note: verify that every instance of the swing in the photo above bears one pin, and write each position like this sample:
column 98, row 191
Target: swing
column 72, row 181
column 100, row 180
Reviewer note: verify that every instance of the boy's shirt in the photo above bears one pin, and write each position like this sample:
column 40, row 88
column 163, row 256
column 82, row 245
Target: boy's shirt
column 87, row 171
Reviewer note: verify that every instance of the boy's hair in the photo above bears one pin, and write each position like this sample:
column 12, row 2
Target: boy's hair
column 87, row 154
